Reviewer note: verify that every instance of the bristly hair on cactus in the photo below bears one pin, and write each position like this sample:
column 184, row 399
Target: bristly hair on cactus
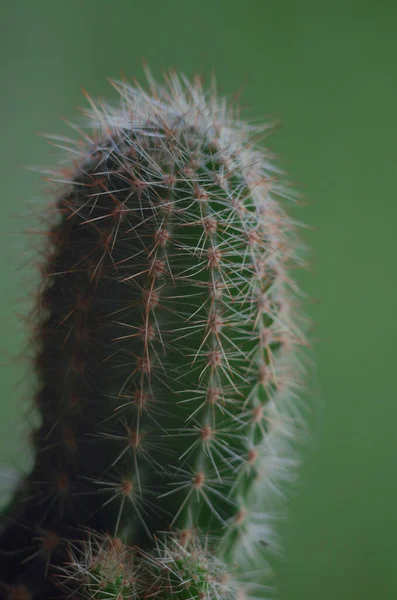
column 103, row 567
column 166, row 336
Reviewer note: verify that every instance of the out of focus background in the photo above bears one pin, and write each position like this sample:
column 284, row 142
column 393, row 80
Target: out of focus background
column 328, row 72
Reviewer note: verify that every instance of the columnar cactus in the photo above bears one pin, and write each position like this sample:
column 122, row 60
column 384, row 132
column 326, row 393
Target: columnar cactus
column 166, row 348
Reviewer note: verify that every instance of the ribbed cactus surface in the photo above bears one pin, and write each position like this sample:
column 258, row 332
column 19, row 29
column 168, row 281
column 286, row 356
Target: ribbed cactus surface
column 166, row 344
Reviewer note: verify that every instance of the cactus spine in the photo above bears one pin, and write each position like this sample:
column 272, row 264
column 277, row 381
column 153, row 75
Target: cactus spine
column 166, row 346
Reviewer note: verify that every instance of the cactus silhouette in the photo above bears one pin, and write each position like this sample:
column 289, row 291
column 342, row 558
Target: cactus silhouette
column 166, row 337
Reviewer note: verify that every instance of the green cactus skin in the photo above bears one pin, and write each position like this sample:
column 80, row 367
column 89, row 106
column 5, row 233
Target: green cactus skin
column 166, row 336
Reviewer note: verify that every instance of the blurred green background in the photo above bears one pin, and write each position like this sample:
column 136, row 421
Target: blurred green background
column 328, row 71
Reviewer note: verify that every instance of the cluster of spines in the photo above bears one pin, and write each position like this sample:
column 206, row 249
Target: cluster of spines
column 164, row 329
column 104, row 568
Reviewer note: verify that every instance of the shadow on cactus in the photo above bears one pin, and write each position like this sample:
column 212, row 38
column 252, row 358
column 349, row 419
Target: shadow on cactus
column 166, row 335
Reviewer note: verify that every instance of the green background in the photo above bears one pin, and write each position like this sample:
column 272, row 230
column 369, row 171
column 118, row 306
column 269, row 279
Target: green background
column 327, row 70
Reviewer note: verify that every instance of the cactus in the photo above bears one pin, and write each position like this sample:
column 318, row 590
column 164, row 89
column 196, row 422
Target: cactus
column 166, row 351
column 104, row 568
